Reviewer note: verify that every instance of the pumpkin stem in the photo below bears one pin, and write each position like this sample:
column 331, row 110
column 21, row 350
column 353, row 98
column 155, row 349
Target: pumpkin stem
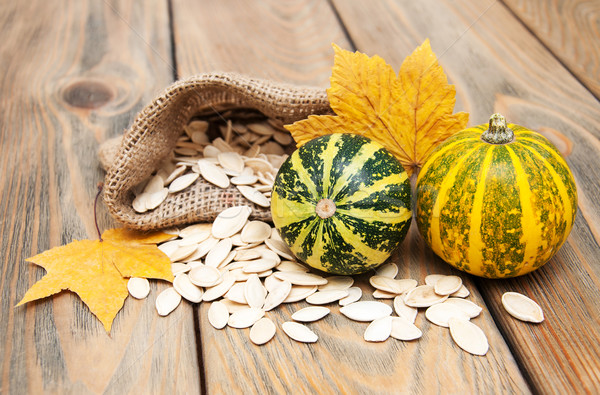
column 498, row 132
column 325, row 208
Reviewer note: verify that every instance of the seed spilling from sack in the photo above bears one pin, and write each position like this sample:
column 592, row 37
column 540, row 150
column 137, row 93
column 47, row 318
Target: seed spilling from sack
column 245, row 151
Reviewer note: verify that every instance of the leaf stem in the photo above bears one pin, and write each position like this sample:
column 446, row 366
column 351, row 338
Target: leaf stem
column 95, row 204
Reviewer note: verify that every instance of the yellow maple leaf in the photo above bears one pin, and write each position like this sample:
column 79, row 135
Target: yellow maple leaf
column 97, row 270
column 409, row 113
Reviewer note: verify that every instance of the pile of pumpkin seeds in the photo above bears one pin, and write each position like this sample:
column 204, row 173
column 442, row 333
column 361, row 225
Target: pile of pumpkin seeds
column 244, row 270
column 239, row 148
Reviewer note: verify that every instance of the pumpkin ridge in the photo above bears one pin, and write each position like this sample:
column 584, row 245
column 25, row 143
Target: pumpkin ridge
column 529, row 218
column 475, row 241
column 567, row 206
column 442, row 150
column 343, row 186
column 327, row 153
column 447, row 183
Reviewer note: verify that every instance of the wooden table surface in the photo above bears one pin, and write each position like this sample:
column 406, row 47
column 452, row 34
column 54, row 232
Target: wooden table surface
column 75, row 73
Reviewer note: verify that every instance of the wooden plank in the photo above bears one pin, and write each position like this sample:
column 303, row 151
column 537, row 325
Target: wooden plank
column 570, row 30
column 279, row 40
column 498, row 66
column 75, row 73
column 341, row 361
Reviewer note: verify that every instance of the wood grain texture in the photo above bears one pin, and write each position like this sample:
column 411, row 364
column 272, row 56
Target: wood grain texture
column 570, row 29
column 288, row 41
column 75, row 73
column 498, row 66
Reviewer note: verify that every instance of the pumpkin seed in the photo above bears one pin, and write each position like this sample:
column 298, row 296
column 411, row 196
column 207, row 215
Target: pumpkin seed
column 179, row 170
column 431, row 279
column 167, row 301
column 403, row 329
column 379, row 330
column 299, row 332
column 440, row 314
column 200, row 138
column 379, row 294
column 138, row 287
column 139, row 203
column 291, row 266
column 178, row 268
column 232, row 306
column 256, row 232
column 405, row 311
column 222, row 145
column 154, row 199
column 259, row 265
column 185, row 288
column 391, row 285
column 155, row 183
column 354, row 294
column 253, row 195
column 169, row 247
column 463, row 292
column 231, row 161
column 301, row 278
column 195, row 238
column 246, row 255
column 310, row 314
column 266, row 253
column 283, row 138
column 280, row 248
column 182, row 182
column 205, row 276
column 218, row 253
column 470, row 308
column 366, row 310
column 212, row 173
column 194, row 229
column 387, row 270
column 271, row 282
column 447, row 285
column 522, row 307
column 423, row 296
column 337, row 283
column 204, row 248
column 259, row 165
column 182, row 252
column 468, row 336
column 230, row 221
column 245, row 318
column 262, row 331
column 300, row 292
column 278, row 293
column 236, row 293
column 220, row 289
column 254, row 292
column 325, row 297
column 261, row 128
column 197, row 126
column 244, row 180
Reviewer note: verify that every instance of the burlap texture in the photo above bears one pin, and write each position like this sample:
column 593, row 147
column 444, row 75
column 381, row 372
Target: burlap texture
column 154, row 134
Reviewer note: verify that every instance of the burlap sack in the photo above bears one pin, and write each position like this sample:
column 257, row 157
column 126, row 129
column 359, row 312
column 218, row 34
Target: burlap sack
column 156, row 128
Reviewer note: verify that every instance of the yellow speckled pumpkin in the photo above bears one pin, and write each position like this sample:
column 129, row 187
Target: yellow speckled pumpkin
column 496, row 200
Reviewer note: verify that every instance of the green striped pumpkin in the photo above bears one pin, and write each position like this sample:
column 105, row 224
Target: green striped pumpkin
column 496, row 200
column 341, row 202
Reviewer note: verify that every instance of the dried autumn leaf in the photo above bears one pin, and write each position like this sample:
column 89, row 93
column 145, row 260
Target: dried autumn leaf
column 97, row 270
column 409, row 113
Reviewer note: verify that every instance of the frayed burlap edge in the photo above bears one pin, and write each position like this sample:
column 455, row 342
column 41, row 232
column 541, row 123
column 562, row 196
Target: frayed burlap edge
column 154, row 134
